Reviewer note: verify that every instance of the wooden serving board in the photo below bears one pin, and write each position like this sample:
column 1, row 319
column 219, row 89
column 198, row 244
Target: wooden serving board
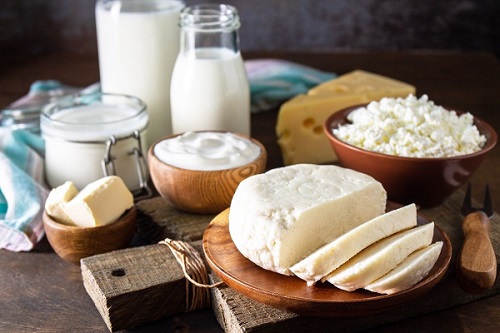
column 238, row 313
column 292, row 293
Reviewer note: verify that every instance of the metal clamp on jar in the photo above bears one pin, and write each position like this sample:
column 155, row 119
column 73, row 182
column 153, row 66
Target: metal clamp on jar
column 88, row 137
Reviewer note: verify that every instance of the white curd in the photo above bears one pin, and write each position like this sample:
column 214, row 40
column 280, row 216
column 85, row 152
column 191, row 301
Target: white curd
column 207, row 151
column 411, row 127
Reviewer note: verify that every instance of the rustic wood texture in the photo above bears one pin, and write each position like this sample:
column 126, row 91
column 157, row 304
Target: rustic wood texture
column 162, row 220
column 477, row 263
column 238, row 313
column 201, row 192
column 143, row 284
column 136, row 286
column 41, row 292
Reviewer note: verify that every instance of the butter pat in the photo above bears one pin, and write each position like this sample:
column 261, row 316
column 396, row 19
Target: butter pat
column 57, row 199
column 380, row 258
column 278, row 218
column 300, row 120
column 329, row 257
column 100, row 202
column 407, row 274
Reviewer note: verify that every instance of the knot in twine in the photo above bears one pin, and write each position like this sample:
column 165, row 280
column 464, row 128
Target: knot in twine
column 195, row 272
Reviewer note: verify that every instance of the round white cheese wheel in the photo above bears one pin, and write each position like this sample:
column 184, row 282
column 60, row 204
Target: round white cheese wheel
column 278, row 218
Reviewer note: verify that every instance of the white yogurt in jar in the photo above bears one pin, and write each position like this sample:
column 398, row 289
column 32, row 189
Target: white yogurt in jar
column 76, row 131
column 207, row 151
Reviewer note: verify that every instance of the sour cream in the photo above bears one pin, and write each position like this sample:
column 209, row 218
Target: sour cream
column 207, row 151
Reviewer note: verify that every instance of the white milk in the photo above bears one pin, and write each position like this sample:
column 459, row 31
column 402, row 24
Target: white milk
column 75, row 143
column 137, row 51
column 210, row 91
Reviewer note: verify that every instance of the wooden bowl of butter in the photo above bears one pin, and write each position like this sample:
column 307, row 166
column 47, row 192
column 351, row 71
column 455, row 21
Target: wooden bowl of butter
column 198, row 172
column 98, row 219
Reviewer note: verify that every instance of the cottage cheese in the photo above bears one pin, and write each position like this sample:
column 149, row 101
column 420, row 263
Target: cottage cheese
column 411, row 127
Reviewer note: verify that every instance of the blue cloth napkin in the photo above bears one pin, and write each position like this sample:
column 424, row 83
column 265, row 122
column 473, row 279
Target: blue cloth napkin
column 22, row 193
column 22, row 187
column 273, row 81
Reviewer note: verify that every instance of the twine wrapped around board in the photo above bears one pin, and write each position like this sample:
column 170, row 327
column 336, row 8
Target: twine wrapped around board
column 195, row 271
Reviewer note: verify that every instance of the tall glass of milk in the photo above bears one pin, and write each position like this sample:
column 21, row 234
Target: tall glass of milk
column 209, row 88
column 138, row 42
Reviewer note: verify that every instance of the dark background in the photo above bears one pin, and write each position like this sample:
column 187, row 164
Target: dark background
column 49, row 26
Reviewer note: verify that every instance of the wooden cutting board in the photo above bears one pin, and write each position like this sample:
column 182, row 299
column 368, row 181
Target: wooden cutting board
column 238, row 313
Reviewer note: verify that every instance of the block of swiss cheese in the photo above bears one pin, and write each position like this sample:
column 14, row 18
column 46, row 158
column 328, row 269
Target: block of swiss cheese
column 279, row 217
column 329, row 257
column 300, row 120
column 380, row 258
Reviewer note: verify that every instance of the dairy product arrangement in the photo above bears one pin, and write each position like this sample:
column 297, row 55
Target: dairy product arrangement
column 300, row 120
column 324, row 223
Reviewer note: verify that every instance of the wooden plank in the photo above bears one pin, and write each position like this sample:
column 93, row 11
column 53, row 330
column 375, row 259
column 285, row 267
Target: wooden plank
column 236, row 312
column 161, row 220
column 139, row 285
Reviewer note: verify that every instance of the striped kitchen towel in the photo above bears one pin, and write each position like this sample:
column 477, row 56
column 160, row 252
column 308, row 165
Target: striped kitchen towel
column 22, row 190
column 274, row 81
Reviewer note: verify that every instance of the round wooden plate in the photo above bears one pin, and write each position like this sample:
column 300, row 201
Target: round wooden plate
column 292, row 293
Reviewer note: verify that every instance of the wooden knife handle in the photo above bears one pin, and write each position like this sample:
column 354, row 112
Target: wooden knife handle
column 477, row 266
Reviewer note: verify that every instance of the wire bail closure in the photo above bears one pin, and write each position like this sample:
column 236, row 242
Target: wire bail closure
column 108, row 165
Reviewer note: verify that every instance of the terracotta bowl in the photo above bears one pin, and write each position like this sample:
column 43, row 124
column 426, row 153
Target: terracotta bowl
column 201, row 192
column 424, row 181
column 73, row 243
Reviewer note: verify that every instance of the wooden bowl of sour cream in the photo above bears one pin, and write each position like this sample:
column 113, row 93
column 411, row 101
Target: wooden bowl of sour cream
column 198, row 172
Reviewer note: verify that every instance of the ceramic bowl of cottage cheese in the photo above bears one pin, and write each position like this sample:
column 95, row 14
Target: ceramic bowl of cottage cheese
column 421, row 152
column 198, row 172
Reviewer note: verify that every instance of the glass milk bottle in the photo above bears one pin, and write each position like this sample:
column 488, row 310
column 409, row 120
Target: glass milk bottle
column 138, row 42
column 209, row 88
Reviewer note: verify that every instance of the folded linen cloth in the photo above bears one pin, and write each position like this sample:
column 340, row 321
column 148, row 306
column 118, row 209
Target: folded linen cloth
column 22, row 193
column 273, row 81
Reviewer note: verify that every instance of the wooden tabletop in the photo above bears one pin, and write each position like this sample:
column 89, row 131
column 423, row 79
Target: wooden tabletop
column 40, row 292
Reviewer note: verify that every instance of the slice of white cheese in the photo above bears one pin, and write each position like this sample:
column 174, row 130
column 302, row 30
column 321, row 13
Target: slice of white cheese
column 300, row 120
column 329, row 257
column 278, row 218
column 380, row 258
column 100, row 202
column 407, row 274
column 58, row 197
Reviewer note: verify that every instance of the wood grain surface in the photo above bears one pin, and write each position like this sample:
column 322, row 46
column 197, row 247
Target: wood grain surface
column 41, row 292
